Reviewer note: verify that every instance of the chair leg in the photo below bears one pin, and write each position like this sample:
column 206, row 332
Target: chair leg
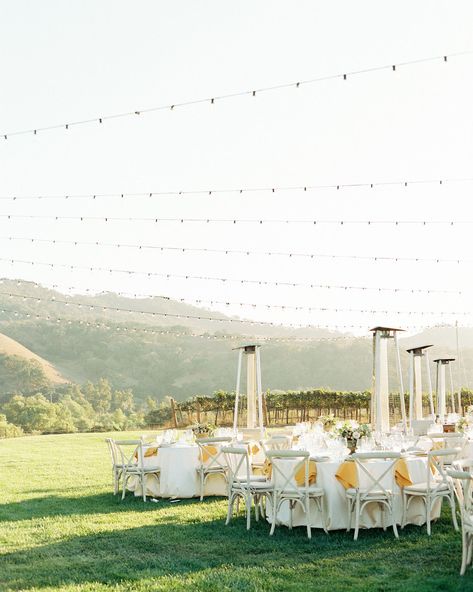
column 454, row 515
column 290, row 514
column 404, row 509
column 274, row 506
column 231, row 501
column 469, row 540
column 248, row 510
column 393, row 518
column 464, row 553
column 201, row 485
column 383, row 516
column 357, row 517
column 427, row 514
column 307, row 518
column 124, row 482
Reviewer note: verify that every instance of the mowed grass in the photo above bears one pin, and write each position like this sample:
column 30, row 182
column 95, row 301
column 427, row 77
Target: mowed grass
column 61, row 528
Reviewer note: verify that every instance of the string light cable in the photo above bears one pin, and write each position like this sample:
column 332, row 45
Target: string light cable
column 244, row 93
column 272, row 283
column 104, row 308
column 258, row 221
column 242, row 190
column 245, row 252
column 223, row 336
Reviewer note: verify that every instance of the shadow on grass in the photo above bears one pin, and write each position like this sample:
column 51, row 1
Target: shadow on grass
column 376, row 560
column 104, row 503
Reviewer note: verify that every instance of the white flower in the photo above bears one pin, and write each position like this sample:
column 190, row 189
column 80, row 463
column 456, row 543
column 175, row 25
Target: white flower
column 356, row 435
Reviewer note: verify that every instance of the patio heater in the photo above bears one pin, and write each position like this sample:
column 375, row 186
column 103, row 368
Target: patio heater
column 254, row 393
column 441, row 387
column 380, row 392
column 415, row 382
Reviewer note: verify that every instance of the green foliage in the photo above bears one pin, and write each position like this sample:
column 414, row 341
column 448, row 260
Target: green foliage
column 20, row 375
column 8, row 430
column 95, row 407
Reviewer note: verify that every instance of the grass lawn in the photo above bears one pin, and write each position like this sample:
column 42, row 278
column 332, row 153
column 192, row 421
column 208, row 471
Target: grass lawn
column 62, row 529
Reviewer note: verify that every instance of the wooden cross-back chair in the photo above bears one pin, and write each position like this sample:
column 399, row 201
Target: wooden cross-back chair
column 290, row 478
column 373, row 489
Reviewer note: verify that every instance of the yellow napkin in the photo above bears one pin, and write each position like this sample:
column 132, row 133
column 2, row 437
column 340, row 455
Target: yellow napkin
column 438, row 445
column 347, row 474
column 207, row 451
column 254, row 449
column 151, row 451
column 300, row 475
column 267, row 469
column 401, row 473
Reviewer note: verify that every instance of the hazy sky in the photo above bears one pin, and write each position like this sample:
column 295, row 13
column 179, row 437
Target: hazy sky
column 66, row 61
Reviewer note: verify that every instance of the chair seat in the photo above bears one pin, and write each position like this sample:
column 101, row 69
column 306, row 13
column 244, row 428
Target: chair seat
column 211, row 469
column 136, row 470
column 313, row 491
column 421, row 488
column 257, row 484
column 375, row 494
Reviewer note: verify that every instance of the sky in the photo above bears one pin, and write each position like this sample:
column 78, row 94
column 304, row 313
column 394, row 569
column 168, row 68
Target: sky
column 63, row 62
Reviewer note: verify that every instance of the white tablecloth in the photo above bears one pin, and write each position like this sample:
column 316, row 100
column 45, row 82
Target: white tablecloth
column 335, row 503
column 178, row 477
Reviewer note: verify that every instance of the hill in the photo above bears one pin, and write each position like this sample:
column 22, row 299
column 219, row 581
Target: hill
column 10, row 347
column 95, row 341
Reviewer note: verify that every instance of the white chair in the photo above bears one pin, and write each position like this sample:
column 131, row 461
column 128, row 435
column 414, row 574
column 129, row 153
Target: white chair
column 242, row 484
column 251, row 433
column 437, row 485
column 130, row 454
column 372, row 487
column 447, row 440
column 420, row 427
column 463, row 486
column 287, row 468
column 117, row 468
column 212, row 459
column 276, row 443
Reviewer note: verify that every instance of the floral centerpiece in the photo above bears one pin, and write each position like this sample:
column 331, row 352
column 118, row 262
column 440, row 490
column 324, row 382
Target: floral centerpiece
column 328, row 421
column 203, row 430
column 352, row 431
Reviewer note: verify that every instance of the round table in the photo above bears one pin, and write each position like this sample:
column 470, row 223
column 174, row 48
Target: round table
column 178, row 464
column 335, row 504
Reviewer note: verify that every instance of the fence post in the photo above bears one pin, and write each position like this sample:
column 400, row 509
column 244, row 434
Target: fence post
column 173, row 411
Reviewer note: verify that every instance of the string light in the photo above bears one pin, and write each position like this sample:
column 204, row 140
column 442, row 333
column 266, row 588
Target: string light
column 246, row 252
column 258, row 221
column 101, row 307
column 213, row 99
column 268, row 283
column 243, row 190
column 222, row 336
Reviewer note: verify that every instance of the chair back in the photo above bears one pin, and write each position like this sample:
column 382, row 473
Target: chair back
column 251, row 433
column 447, row 440
column 129, row 452
column 289, row 469
column 463, row 487
column 420, row 427
column 463, row 464
column 276, row 443
column 210, row 452
column 238, row 463
column 114, row 454
column 373, row 477
column 437, row 461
